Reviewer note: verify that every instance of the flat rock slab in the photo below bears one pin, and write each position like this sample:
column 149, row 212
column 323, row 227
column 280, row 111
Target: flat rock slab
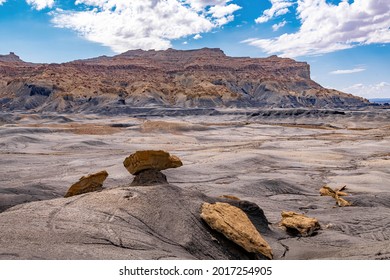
column 150, row 159
column 235, row 225
column 89, row 183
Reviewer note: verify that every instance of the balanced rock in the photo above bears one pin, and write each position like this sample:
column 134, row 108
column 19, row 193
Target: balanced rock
column 150, row 159
column 89, row 183
column 235, row 225
column 299, row 224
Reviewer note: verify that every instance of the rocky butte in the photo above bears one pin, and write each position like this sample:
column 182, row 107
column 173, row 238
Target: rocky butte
column 203, row 78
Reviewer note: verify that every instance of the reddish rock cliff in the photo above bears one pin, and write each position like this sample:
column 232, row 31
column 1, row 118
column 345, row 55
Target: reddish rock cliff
column 204, row 78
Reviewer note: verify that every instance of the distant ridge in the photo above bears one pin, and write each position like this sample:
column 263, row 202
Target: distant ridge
column 380, row 100
column 202, row 78
column 11, row 57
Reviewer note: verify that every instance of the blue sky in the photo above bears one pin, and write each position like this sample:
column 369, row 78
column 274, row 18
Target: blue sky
column 346, row 42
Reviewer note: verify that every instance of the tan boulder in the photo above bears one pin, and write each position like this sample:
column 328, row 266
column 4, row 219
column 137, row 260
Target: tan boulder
column 89, row 183
column 299, row 223
column 235, row 225
column 150, row 159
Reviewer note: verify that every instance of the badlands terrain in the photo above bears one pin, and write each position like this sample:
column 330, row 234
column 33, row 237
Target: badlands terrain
column 256, row 134
column 276, row 158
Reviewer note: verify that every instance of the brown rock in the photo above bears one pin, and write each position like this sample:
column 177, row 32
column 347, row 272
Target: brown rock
column 203, row 78
column 150, row 159
column 228, row 196
column 235, row 225
column 336, row 193
column 299, row 223
column 342, row 202
column 327, row 191
column 89, row 183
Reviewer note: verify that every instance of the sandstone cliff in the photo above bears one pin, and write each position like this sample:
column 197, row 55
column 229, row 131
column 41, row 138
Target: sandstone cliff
column 204, row 78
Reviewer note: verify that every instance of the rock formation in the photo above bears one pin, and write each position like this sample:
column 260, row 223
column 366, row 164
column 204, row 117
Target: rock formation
column 149, row 177
column 127, row 222
column 150, row 159
column 235, row 225
column 327, row 191
column 204, row 78
column 89, row 183
column 299, row 224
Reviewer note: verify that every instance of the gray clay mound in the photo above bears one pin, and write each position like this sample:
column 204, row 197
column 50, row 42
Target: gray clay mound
column 129, row 222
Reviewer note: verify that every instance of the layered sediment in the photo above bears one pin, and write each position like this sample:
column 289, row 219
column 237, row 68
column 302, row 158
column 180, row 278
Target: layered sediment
column 204, row 78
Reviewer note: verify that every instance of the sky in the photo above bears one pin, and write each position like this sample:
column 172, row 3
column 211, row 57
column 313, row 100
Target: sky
column 346, row 42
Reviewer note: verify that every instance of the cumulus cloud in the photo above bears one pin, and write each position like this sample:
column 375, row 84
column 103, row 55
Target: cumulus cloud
column 223, row 14
column 278, row 8
column 279, row 25
column 199, row 5
column 143, row 24
column 197, row 37
column 40, row 4
column 327, row 27
column 379, row 90
column 347, row 71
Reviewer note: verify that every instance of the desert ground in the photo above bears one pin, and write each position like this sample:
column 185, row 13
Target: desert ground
column 276, row 158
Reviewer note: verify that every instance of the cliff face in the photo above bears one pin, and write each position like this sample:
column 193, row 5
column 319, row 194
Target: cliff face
column 202, row 78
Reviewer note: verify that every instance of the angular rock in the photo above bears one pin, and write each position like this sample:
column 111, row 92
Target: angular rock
column 89, row 183
column 299, row 224
column 336, row 193
column 327, row 191
column 150, row 159
column 228, row 196
column 235, row 225
column 342, row 202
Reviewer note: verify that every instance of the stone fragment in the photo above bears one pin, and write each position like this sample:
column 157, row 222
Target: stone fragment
column 150, row 159
column 228, row 196
column 327, row 191
column 336, row 193
column 89, row 183
column 235, row 225
column 299, row 224
column 342, row 202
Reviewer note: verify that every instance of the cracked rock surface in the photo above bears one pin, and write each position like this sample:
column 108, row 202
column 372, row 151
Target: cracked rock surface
column 129, row 222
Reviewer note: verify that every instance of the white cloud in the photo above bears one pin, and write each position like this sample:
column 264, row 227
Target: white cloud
column 197, row 37
column 279, row 8
column 40, row 4
column 223, row 14
column 185, row 43
column 348, row 71
column 2, row 1
column 279, row 25
column 144, row 24
column 327, row 27
column 379, row 90
column 199, row 5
